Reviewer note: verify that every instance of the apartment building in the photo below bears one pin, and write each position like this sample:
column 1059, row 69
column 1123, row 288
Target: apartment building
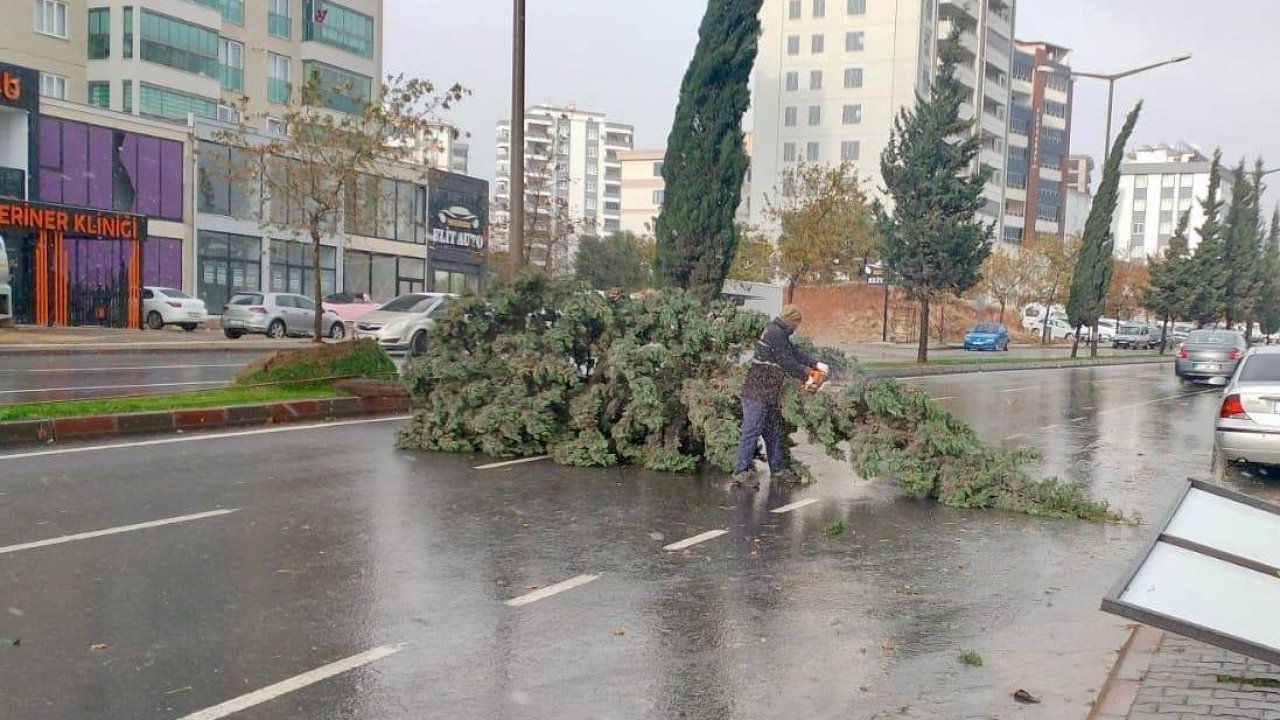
column 573, row 162
column 1158, row 184
column 1080, row 173
column 170, row 59
column 832, row 75
column 644, row 189
column 1039, row 139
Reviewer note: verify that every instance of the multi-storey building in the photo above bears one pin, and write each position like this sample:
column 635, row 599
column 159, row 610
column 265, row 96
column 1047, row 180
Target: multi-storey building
column 168, row 59
column 1080, row 173
column 832, row 75
column 644, row 189
column 1039, row 138
column 1158, row 184
column 573, row 170
column 1079, row 199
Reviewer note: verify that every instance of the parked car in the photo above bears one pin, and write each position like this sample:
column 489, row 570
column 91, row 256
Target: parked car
column 402, row 324
column 1133, row 336
column 350, row 306
column 987, row 336
column 166, row 306
column 1058, row 329
column 277, row 315
column 1209, row 354
column 1248, row 425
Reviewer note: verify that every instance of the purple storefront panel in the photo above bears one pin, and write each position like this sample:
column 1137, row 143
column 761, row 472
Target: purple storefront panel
column 100, row 163
column 50, row 185
column 162, row 262
column 171, row 186
column 51, row 144
column 75, row 151
column 147, row 181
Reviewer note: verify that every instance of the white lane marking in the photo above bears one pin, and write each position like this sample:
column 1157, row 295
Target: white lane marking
column 1019, row 436
column 1158, row 400
column 1079, row 419
column 509, row 463
column 795, row 505
column 297, row 682
column 113, row 531
column 949, row 397
column 690, row 542
column 1020, row 389
column 550, row 590
column 111, row 387
column 123, row 369
column 204, row 436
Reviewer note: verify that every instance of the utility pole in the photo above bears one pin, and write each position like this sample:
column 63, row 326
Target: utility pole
column 515, row 232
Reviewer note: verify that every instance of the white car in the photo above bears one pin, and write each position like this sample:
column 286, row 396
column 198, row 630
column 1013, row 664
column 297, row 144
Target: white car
column 402, row 324
column 1058, row 330
column 166, row 306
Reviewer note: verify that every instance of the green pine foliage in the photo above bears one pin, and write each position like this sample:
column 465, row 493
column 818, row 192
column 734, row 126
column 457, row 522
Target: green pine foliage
column 705, row 162
column 1094, row 266
column 1173, row 276
column 1269, row 294
column 614, row 262
column 933, row 243
column 1242, row 247
column 544, row 367
column 1206, row 296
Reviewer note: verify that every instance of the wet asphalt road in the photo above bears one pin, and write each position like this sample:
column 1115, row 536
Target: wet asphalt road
column 339, row 545
column 33, row 378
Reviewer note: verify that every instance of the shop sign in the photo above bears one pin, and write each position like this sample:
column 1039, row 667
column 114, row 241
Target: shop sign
column 459, row 210
column 72, row 221
column 19, row 87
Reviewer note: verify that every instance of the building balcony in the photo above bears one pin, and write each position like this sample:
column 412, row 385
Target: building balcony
column 280, row 26
column 279, row 91
column 232, row 78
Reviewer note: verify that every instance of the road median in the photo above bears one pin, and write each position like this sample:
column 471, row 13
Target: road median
column 905, row 370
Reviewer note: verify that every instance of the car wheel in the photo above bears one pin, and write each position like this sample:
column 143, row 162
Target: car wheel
column 154, row 321
column 232, row 334
column 418, row 345
column 189, row 327
column 338, row 331
column 276, row 329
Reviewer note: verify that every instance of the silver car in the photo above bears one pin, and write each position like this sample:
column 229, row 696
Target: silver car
column 1248, row 427
column 276, row 315
column 1209, row 355
column 402, row 324
column 1134, row 336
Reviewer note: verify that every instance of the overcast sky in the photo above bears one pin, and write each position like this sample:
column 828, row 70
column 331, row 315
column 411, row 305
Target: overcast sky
column 626, row 58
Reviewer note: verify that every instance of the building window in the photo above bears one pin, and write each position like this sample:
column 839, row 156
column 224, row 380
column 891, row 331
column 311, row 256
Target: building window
column 279, row 89
column 815, row 114
column 1168, row 181
column 292, row 263
column 1166, row 204
column 859, row 7
column 99, row 33
column 794, row 9
column 793, row 81
column 340, row 89
column 220, row 180
column 853, row 41
column 1140, row 182
column 788, row 152
column 51, row 18
column 231, row 64
column 279, row 19
column 657, row 169
column 815, row 79
column 1139, row 203
column 100, row 94
column 126, row 17
column 793, row 44
column 591, row 186
column 811, row 152
column 454, row 282
column 1186, row 180
column 852, row 114
column 386, row 208
column 53, row 86
column 126, row 96
column 166, row 104
column 277, row 127
column 1184, row 204
column 816, row 43
column 1139, row 229
column 853, row 77
column 819, row 8
column 659, row 196
column 380, row 276
column 226, row 264
column 789, row 117
column 179, row 44
column 341, row 27
column 849, row 150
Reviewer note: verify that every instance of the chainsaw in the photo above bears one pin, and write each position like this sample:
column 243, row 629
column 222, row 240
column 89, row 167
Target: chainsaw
column 817, row 378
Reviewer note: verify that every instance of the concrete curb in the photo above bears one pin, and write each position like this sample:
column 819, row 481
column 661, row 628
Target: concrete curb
column 42, row 432
column 1120, row 690
column 60, row 349
column 911, row 372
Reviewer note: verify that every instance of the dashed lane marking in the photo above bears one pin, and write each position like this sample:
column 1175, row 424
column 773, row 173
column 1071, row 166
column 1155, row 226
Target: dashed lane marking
column 113, row 531
column 690, row 542
column 795, row 506
column 550, row 590
column 508, row 463
column 1020, row 389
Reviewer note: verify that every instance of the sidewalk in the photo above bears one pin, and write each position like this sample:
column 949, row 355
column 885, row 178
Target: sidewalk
column 1162, row 676
column 55, row 341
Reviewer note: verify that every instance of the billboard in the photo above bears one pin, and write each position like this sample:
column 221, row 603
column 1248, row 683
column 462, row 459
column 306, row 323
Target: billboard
column 458, row 210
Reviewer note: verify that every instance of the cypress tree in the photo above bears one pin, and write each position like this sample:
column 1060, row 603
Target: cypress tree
column 1204, row 302
column 1170, row 277
column 1269, row 295
column 1093, row 269
column 705, row 162
column 933, row 243
column 1242, row 250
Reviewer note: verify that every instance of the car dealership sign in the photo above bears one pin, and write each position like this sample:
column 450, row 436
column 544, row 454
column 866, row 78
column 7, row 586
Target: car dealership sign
column 459, row 210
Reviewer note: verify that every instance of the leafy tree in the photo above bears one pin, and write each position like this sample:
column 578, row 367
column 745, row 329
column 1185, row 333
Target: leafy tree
column 933, row 243
column 1129, row 281
column 1242, row 248
column 1050, row 261
column 1006, row 277
column 1172, row 279
column 1093, row 268
column 705, row 162
column 755, row 259
column 318, row 172
column 1206, row 296
column 612, row 262
column 828, row 228
column 1269, row 294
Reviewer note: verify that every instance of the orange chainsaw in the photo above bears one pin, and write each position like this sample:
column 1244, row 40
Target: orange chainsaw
column 817, row 377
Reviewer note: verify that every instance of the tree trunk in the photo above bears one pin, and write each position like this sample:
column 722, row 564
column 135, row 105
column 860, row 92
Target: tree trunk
column 1075, row 342
column 1093, row 340
column 922, row 350
column 1164, row 334
column 1002, row 302
column 317, row 288
column 789, row 292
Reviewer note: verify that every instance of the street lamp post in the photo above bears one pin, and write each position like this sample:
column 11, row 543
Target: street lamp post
column 515, row 204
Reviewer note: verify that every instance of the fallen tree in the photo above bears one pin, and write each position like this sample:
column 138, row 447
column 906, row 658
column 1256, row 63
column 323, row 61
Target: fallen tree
column 544, row 367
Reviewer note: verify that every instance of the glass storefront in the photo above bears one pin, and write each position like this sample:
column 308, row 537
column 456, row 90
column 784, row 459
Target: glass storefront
column 227, row 264
column 292, row 266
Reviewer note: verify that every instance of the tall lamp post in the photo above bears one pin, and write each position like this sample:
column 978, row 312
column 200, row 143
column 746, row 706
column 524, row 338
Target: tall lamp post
column 515, row 209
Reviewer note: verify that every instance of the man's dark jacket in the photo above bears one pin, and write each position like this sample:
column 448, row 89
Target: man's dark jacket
column 775, row 359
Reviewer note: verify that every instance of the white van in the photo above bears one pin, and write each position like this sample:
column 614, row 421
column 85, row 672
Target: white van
column 6, row 290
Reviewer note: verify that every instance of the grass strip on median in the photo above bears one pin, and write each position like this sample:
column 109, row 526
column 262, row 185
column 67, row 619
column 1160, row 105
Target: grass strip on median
column 226, row 397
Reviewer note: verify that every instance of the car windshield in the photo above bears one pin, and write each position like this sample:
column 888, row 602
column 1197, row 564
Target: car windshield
column 1132, row 329
column 990, row 328
column 175, row 294
column 1210, row 337
column 342, row 297
column 246, row 299
column 410, row 304
column 1261, row 368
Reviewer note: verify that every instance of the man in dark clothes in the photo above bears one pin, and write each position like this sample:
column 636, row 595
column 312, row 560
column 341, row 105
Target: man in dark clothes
column 775, row 360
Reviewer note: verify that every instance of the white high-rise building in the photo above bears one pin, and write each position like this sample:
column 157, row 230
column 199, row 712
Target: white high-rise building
column 1158, row 184
column 573, row 156
column 832, row 75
